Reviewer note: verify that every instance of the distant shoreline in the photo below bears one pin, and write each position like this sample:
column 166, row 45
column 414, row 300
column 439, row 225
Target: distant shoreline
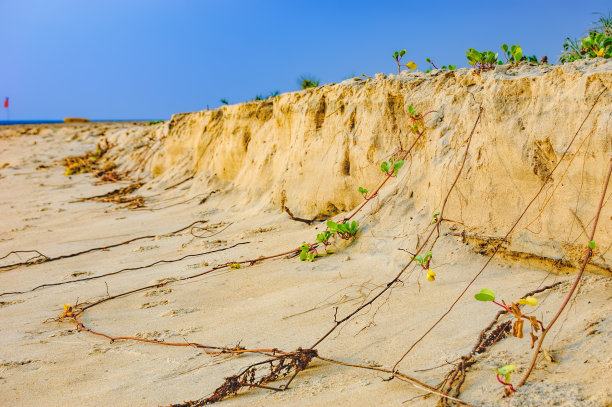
column 22, row 122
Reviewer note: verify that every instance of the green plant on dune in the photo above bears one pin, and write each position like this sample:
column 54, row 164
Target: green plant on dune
column 443, row 67
column 603, row 24
column 482, row 60
column 269, row 96
column 398, row 55
column 391, row 167
column 514, row 53
column 308, row 81
column 153, row 122
column 597, row 43
column 224, row 101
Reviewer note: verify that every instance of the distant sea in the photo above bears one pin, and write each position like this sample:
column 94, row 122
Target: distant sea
column 9, row 122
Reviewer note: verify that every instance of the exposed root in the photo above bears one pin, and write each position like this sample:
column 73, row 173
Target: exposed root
column 259, row 375
column 488, row 337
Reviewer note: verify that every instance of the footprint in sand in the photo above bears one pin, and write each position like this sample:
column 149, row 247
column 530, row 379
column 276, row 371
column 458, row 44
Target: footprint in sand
column 153, row 304
column 177, row 312
column 77, row 274
column 156, row 293
column 7, row 303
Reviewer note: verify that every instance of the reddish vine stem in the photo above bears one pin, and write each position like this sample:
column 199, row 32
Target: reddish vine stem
column 587, row 257
column 384, row 181
column 548, row 177
column 403, row 270
column 417, row 383
column 213, row 350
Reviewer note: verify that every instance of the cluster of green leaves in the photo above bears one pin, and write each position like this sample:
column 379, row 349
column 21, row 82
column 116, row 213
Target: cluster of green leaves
column 345, row 230
column 308, row 81
column 307, row 253
column 398, row 55
column 153, row 122
column 270, row 95
column 597, row 43
column 482, row 60
column 435, row 217
column 514, row 54
column 391, row 167
column 443, row 67
column 324, row 237
column 423, row 261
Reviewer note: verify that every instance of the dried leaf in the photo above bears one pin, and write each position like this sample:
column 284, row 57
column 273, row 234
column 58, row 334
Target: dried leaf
column 517, row 329
column 533, row 339
column 535, row 324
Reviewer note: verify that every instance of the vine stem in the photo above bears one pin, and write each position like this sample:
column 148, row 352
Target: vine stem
column 514, row 225
column 403, row 270
column 587, row 257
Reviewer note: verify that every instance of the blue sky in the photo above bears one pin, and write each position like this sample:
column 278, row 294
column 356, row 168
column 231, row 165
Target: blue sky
column 148, row 59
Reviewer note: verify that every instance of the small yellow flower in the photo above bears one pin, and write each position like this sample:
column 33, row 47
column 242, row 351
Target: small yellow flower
column 600, row 53
column 235, row 266
column 528, row 301
column 67, row 311
column 411, row 65
column 431, row 275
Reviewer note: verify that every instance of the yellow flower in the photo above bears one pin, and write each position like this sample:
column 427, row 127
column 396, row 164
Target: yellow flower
column 528, row 301
column 431, row 275
column 599, row 53
column 67, row 311
column 411, row 65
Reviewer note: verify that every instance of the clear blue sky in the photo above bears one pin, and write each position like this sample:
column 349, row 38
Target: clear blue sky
column 141, row 59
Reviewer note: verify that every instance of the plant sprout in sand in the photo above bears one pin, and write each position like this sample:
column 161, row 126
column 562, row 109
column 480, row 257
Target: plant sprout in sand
column 397, row 55
column 487, row 295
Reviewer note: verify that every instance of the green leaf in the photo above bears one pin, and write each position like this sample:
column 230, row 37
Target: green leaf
column 505, row 371
column 504, row 47
column 592, row 244
column 428, row 60
column 395, row 54
column 384, row 166
column 333, row 226
column 427, row 257
column 485, row 295
column 398, row 164
column 411, row 110
column 363, row 190
column 419, row 259
column 402, row 53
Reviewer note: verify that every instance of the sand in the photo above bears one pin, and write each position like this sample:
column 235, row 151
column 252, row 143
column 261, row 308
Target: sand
column 286, row 303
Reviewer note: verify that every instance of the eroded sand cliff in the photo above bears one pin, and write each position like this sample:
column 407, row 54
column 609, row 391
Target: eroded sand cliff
column 242, row 169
